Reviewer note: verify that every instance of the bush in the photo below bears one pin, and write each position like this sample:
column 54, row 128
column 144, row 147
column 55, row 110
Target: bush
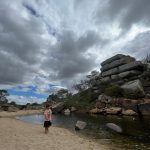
column 114, row 91
column 81, row 100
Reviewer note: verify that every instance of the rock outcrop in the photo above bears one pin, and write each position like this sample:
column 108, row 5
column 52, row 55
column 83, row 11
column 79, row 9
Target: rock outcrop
column 73, row 109
column 132, row 75
column 113, row 111
column 133, row 89
column 97, row 111
column 144, row 108
column 121, row 68
column 57, row 108
column 129, row 112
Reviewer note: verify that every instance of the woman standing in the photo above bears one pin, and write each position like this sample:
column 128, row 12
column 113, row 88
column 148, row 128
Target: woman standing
column 47, row 117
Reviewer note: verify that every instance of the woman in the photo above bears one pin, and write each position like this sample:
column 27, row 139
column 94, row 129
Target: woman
column 47, row 117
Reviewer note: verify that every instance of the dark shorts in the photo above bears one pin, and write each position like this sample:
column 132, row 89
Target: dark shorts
column 47, row 124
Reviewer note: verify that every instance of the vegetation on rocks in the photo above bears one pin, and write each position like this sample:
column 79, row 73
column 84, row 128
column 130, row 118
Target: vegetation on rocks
column 83, row 99
column 114, row 91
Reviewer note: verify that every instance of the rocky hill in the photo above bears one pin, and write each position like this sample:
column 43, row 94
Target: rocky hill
column 126, row 72
column 122, row 87
column 127, row 85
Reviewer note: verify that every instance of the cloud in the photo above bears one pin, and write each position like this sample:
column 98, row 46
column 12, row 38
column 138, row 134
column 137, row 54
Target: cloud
column 139, row 47
column 31, row 10
column 69, row 53
column 24, row 99
column 12, row 69
column 126, row 13
column 23, row 39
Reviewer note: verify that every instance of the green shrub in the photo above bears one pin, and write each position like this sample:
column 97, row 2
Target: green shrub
column 81, row 100
column 114, row 91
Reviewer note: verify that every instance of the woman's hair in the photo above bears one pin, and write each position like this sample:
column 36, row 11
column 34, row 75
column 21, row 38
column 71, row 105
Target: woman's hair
column 48, row 105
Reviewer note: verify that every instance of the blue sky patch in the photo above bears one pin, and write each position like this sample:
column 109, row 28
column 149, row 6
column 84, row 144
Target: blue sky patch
column 30, row 92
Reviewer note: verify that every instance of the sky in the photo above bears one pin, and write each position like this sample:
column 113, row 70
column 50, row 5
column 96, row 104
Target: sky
column 46, row 45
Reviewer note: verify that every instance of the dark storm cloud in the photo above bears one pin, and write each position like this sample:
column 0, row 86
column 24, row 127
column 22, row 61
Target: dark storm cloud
column 125, row 12
column 139, row 47
column 69, row 56
column 19, row 36
column 12, row 70
column 31, row 9
column 89, row 39
column 20, row 43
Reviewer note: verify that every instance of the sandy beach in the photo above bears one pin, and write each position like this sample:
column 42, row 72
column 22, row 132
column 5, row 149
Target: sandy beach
column 18, row 135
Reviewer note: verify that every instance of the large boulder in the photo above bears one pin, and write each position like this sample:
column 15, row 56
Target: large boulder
column 110, row 72
column 80, row 125
column 136, row 65
column 133, row 89
column 129, row 112
column 67, row 112
column 113, row 110
column 57, row 108
column 100, row 104
column 128, row 74
column 146, row 100
column 114, row 127
column 144, row 108
column 116, row 57
column 105, row 79
column 130, row 103
column 116, row 63
column 114, row 77
column 96, row 111
column 73, row 109
column 104, row 98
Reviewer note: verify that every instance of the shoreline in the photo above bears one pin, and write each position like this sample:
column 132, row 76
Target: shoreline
column 23, row 135
column 6, row 114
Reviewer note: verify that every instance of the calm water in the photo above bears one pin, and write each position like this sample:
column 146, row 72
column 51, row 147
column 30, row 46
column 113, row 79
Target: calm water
column 135, row 136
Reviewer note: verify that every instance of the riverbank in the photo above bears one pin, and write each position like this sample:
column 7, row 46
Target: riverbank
column 19, row 113
column 18, row 135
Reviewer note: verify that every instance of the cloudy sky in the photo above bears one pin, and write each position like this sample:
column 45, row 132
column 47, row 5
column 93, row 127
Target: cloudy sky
column 49, row 44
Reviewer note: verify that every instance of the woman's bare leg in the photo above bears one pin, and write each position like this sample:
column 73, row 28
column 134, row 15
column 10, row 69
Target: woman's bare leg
column 46, row 130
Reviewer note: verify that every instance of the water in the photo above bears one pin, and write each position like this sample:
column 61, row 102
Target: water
column 136, row 131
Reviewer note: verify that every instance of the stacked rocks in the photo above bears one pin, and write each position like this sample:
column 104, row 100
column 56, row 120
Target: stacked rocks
column 120, row 69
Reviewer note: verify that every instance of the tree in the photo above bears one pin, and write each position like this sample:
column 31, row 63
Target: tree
column 13, row 103
column 83, row 85
column 147, row 59
column 52, row 97
column 3, row 95
column 88, row 82
column 62, row 93
column 92, row 78
column 59, row 95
